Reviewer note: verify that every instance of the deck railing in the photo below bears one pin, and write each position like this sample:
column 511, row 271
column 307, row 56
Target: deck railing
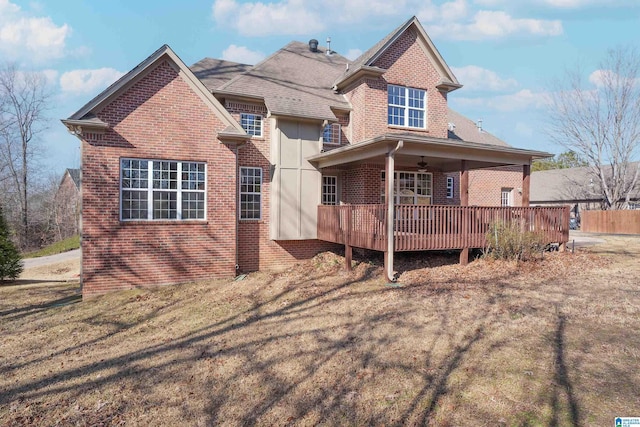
column 434, row 227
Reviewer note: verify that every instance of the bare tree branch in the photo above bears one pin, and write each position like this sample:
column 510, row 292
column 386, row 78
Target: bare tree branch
column 600, row 120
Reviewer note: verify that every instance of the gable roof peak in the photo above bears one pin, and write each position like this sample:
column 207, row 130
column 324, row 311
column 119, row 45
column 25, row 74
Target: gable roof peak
column 366, row 61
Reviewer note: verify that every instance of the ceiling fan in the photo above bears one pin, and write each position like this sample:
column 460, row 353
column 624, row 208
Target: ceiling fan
column 422, row 165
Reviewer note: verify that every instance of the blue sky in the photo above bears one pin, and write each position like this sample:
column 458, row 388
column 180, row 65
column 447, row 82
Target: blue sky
column 506, row 53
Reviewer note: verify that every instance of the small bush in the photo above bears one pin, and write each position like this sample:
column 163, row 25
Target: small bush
column 507, row 240
column 10, row 258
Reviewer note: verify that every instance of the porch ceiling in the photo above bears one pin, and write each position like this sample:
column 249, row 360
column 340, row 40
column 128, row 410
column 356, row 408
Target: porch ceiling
column 442, row 154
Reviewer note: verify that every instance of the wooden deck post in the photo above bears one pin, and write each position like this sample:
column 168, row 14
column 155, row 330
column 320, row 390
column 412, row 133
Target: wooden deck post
column 464, row 201
column 526, row 185
column 348, row 256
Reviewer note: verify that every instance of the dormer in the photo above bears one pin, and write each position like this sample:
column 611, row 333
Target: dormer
column 399, row 85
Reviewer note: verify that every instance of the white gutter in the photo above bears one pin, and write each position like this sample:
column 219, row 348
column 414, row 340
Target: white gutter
column 390, row 173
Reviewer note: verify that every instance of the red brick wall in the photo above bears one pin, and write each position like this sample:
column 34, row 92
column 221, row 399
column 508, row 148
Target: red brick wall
column 255, row 249
column 485, row 185
column 159, row 117
column 406, row 65
column 362, row 185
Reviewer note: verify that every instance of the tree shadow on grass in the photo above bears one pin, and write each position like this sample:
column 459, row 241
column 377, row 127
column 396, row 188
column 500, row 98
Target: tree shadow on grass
column 561, row 383
column 21, row 312
column 306, row 352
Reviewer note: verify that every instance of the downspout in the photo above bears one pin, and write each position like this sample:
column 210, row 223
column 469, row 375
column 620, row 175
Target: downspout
column 389, row 273
column 237, row 180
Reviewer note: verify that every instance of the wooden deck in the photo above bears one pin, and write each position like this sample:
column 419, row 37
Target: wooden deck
column 433, row 227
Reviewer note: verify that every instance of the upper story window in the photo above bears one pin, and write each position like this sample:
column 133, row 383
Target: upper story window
column 162, row 190
column 331, row 134
column 251, row 123
column 406, row 106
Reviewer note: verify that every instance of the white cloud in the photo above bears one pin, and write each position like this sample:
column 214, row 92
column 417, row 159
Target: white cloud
column 478, row 78
column 455, row 19
column 522, row 100
column 88, row 81
column 487, row 24
column 28, row 37
column 602, row 78
column 242, row 55
column 352, row 54
column 291, row 17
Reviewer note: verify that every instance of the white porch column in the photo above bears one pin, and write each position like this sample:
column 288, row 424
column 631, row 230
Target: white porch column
column 390, row 170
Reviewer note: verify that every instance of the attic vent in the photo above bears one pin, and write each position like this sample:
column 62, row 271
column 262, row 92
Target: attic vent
column 313, row 45
column 451, row 126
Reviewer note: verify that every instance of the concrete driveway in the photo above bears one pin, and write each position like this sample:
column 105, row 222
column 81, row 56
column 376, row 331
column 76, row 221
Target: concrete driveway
column 52, row 259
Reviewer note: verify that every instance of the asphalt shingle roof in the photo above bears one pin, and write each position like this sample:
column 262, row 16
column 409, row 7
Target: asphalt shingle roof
column 75, row 176
column 571, row 184
column 294, row 81
column 216, row 72
column 466, row 129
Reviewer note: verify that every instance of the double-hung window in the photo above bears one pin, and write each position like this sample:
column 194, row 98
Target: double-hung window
column 250, row 193
column 251, row 123
column 331, row 134
column 162, row 190
column 406, row 106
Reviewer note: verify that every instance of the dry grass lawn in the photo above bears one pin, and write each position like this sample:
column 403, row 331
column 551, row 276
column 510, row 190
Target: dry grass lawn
column 552, row 343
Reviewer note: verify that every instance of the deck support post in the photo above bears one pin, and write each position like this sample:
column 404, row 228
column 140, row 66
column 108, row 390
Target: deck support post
column 348, row 256
column 390, row 199
column 464, row 201
column 526, row 185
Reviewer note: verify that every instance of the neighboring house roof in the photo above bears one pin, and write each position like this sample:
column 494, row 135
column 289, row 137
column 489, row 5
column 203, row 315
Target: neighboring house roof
column 294, row 81
column 75, row 176
column 569, row 185
column 85, row 117
column 465, row 129
column 216, row 72
column 366, row 61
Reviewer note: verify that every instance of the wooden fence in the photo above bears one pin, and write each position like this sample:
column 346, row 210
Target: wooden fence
column 434, row 227
column 612, row 222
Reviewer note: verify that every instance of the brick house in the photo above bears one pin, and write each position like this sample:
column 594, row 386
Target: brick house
column 191, row 173
column 67, row 205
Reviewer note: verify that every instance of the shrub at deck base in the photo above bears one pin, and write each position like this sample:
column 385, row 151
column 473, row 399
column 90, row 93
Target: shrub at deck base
column 10, row 259
column 510, row 241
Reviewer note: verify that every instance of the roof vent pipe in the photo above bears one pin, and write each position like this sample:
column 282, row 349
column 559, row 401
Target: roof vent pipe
column 328, row 45
column 313, row 45
column 479, row 125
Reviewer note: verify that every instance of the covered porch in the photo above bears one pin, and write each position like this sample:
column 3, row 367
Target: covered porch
column 393, row 227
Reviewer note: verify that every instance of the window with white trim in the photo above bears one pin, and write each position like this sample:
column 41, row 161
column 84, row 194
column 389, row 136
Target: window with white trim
column 406, row 106
column 162, row 190
column 251, row 123
column 331, row 134
column 449, row 187
column 506, row 198
column 411, row 188
column 329, row 190
column 250, row 193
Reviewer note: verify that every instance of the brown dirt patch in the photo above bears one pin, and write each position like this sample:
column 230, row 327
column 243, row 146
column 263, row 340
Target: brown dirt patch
column 553, row 342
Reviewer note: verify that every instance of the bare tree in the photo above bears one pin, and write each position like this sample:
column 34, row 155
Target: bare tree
column 600, row 121
column 23, row 101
